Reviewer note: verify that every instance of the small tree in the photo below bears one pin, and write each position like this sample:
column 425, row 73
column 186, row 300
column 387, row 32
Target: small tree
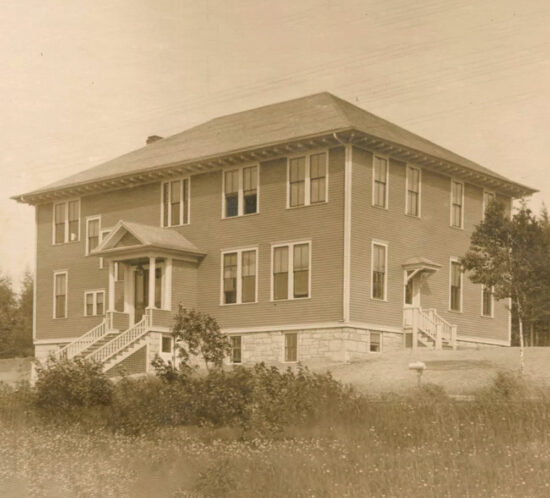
column 198, row 334
column 510, row 256
column 8, row 314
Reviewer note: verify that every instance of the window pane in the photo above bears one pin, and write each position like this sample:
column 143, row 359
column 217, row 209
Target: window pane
column 230, row 278
column 236, row 349
column 291, row 346
column 250, row 186
column 165, row 204
column 186, row 201
column 301, row 270
column 378, row 271
column 166, row 346
column 73, row 220
column 297, row 170
column 231, row 181
column 318, row 177
column 89, row 304
column 280, row 273
column 60, row 294
column 487, row 302
column 455, row 286
column 175, row 203
column 99, row 303
column 248, row 270
column 93, row 234
column 59, row 216
column 380, row 174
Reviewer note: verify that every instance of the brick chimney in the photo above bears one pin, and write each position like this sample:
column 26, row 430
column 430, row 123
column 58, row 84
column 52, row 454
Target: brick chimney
column 152, row 138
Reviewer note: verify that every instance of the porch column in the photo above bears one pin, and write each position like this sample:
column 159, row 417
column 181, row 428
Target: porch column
column 152, row 272
column 127, row 286
column 167, row 305
column 111, row 286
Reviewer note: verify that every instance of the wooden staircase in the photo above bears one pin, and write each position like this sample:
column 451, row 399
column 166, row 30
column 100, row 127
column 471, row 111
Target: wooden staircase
column 428, row 329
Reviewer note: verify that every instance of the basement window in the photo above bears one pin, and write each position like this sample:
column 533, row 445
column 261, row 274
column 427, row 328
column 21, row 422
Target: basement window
column 375, row 342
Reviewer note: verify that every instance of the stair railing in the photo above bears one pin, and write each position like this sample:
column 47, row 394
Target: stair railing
column 431, row 324
column 123, row 340
column 84, row 341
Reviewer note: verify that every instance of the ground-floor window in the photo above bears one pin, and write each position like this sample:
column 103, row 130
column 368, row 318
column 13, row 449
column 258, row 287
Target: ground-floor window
column 60, row 294
column 94, row 303
column 291, row 346
column 236, row 345
column 375, row 342
column 486, row 301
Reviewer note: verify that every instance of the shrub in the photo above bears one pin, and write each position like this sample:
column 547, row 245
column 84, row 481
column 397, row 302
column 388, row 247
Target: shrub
column 506, row 386
column 71, row 388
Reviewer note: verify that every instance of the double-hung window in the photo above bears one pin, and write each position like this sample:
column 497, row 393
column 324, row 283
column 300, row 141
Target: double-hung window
column 413, row 191
column 175, row 202
column 239, row 276
column 455, row 286
column 379, row 263
column 488, row 197
column 60, row 294
column 93, row 233
column 94, row 303
column 291, row 275
column 487, row 301
column 236, row 346
column 457, row 204
column 380, row 182
column 66, row 222
column 307, row 179
column 240, row 191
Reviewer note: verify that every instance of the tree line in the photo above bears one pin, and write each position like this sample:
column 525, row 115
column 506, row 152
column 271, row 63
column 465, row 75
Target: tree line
column 16, row 317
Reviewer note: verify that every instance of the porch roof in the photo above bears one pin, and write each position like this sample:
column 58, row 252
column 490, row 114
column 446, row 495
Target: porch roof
column 128, row 237
column 420, row 263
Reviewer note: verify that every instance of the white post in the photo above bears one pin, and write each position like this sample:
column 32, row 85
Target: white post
column 167, row 305
column 152, row 261
column 111, row 286
column 414, row 329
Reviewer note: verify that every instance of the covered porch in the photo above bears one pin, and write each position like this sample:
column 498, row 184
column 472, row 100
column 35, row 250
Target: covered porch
column 141, row 262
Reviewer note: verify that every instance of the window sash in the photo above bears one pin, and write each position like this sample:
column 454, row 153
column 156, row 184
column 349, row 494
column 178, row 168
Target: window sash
column 239, row 276
column 280, row 272
column 487, row 301
column 457, row 193
column 66, row 220
column 250, row 190
column 301, row 270
column 291, row 347
column 456, row 287
column 236, row 349
column 93, row 234
column 380, row 182
column 175, row 202
column 318, row 173
column 230, row 278
column 60, row 283
column 413, row 191
column 297, row 181
column 248, row 276
column 378, row 271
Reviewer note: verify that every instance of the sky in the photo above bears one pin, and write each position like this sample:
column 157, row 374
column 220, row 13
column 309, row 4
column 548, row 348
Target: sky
column 82, row 82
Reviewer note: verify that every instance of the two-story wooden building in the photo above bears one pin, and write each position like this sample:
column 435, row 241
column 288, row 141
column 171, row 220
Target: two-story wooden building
column 309, row 229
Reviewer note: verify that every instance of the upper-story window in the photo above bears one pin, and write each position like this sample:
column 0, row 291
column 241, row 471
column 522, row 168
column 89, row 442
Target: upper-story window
column 457, row 204
column 379, row 265
column 488, row 197
column 455, row 286
column 413, row 191
column 239, row 274
column 60, row 294
column 66, row 221
column 93, row 233
column 380, row 182
column 240, row 191
column 307, row 179
column 175, row 202
column 291, row 271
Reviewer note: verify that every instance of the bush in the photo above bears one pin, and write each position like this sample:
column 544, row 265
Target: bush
column 506, row 386
column 70, row 389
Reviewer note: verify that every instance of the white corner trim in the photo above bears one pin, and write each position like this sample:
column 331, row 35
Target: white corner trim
column 346, row 294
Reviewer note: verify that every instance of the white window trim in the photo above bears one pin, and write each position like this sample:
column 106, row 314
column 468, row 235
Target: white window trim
column 451, row 261
column 384, row 244
column 66, row 221
column 387, row 196
column 483, row 205
column 240, row 199
column 290, row 291
column 461, row 227
column 307, row 178
column 239, row 275
column 492, row 315
column 182, row 202
column 55, row 274
column 409, row 167
column 96, row 217
column 94, row 292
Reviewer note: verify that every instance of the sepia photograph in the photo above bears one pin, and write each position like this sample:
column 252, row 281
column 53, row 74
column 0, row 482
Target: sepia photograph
column 275, row 249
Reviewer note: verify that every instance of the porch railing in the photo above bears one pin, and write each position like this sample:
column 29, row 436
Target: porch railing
column 123, row 340
column 84, row 341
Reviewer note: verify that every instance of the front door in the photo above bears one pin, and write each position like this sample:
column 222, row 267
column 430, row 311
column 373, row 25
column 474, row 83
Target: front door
column 141, row 293
column 412, row 296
